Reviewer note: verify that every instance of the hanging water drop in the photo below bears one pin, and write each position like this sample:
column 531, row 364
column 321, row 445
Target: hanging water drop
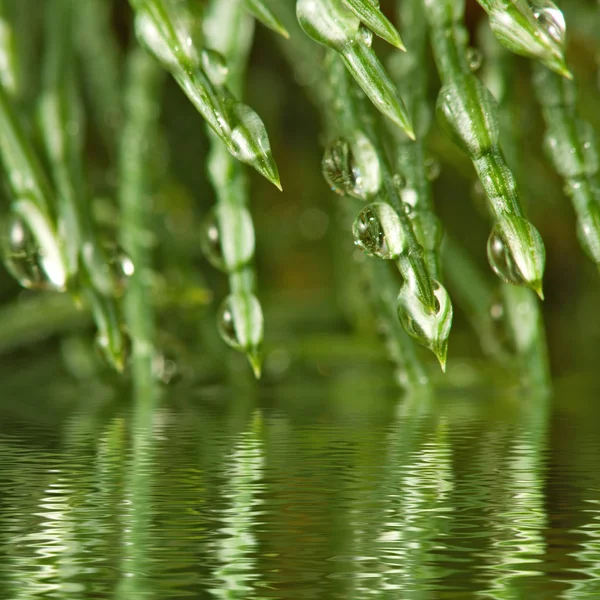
column 474, row 58
column 550, row 17
column 34, row 261
column 377, row 231
column 215, row 66
column 428, row 329
column 240, row 324
column 227, row 237
column 399, row 181
column 433, row 168
column 352, row 169
column 501, row 259
column 516, row 253
column 118, row 266
column 365, row 35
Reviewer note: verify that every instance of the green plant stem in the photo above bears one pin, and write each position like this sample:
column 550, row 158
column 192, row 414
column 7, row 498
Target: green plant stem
column 228, row 30
column 422, row 300
column 572, row 146
column 63, row 125
column 140, row 129
column 468, row 114
column 410, row 70
column 164, row 28
column 517, row 28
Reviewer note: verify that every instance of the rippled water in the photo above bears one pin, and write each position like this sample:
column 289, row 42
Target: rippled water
column 296, row 493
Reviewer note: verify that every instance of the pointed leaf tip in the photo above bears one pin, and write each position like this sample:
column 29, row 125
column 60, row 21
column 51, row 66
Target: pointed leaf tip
column 255, row 360
column 537, row 288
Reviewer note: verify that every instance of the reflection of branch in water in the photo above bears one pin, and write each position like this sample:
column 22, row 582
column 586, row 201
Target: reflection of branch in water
column 519, row 518
column 236, row 548
column 589, row 556
column 421, row 459
column 136, row 517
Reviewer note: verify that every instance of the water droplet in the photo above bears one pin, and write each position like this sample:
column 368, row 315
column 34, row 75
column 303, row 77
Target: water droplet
column 474, row 58
column 550, row 17
column 232, row 251
column 33, row 265
column 516, row 252
column 377, row 231
column 118, row 266
column 215, row 66
column 240, row 321
column 432, row 168
column 352, row 169
column 428, row 329
column 399, row 181
column 366, row 35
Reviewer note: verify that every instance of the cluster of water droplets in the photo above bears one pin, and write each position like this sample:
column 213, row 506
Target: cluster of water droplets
column 378, row 232
column 352, row 167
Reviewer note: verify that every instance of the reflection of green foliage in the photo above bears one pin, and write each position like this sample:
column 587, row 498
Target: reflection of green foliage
column 96, row 150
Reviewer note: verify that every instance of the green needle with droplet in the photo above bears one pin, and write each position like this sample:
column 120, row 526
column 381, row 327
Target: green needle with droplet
column 383, row 228
column 164, row 28
column 370, row 14
column 331, row 24
column 535, row 29
column 33, row 252
column 62, row 125
column 468, row 114
column 228, row 239
column 572, row 146
column 410, row 71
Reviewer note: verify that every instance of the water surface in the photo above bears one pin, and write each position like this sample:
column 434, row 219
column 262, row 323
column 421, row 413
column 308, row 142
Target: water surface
column 300, row 493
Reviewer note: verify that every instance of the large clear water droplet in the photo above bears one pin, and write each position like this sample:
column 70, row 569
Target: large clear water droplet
column 377, row 231
column 228, row 252
column 428, row 329
column 352, row 168
column 365, row 35
column 240, row 321
column 33, row 260
column 516, row 252
column 550, row 17
column 215, row 66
